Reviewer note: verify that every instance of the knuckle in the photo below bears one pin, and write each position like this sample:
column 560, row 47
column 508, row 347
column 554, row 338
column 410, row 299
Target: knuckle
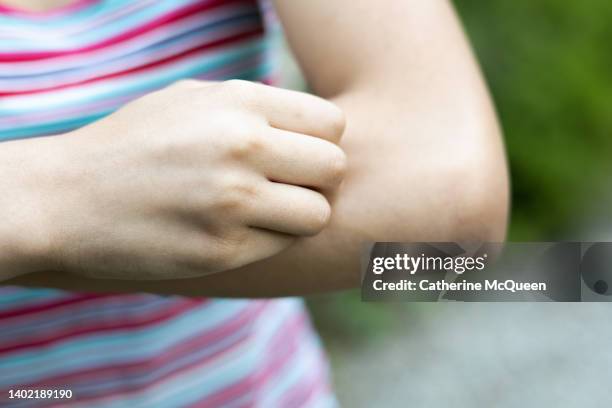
column 319, row 216
column 337, row 121
column 245, row 191
column 229, row 204
column 237, row 193
column 337, row 165
column 244, row 143
column 212, row 253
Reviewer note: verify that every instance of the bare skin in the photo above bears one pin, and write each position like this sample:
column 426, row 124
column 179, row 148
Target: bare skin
column 424, row 153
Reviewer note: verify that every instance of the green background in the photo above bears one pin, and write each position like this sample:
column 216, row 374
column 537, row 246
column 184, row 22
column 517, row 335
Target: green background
column 549, row 65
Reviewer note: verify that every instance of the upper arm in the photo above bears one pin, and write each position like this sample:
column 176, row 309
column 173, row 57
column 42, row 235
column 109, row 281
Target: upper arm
column 344, row 43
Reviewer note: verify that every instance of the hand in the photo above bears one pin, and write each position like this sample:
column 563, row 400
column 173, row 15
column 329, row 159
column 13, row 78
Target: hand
column 193, row 179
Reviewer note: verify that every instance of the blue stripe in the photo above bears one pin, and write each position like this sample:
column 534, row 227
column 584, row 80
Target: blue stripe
column 67, row 125
column 113, row 348
column 82, row 15
column 148, row 82
column 117, row 27
column 234, row 367
column 18, row 296
column 94, row 10
column 240, row 20
column 135, row 380
column 33, row 326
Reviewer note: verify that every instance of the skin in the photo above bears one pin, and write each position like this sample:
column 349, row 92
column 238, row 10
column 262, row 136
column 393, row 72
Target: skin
column 424, row 162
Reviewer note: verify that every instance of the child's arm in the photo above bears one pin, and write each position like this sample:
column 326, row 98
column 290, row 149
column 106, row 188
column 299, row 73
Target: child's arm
column 425, row 156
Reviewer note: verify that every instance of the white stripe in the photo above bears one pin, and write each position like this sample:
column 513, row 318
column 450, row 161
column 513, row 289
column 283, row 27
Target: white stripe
column 144, row 57
column 225, row 370
column 37, row 33
column 123, row 48
column 98, row 90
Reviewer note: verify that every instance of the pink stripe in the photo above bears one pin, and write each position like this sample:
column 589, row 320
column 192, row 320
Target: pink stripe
column 280, row 356
column 312, row 385
column 48, row 325
column 41, row 117
column 240, row 387
column 114, row 63
column 49, row 310
column 56, row 11
column 149, row 26
column 197, row 342
column 108, row 105
column 86, row 25
column 73, row 299
column 301, row 393
column 126, row 48
column 147, row 67
column 100, row 328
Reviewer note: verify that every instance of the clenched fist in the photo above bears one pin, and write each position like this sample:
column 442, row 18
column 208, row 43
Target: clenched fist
column 193, row 179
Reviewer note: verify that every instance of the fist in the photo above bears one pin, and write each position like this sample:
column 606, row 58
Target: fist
column 193, row 179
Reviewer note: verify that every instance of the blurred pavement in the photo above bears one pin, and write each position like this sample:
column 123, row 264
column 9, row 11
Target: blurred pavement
column 484, row 355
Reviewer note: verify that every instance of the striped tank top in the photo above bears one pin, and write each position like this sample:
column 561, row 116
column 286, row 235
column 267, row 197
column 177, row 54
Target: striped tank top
column 64, row 68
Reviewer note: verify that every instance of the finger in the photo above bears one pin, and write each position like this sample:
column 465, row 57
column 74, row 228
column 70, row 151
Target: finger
column 289, row 209
column 291, row 110
column 294, row 158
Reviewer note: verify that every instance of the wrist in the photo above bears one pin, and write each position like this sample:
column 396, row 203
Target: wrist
column 29, row 231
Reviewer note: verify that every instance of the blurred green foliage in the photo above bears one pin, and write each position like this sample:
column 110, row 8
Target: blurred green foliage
column 549, row 67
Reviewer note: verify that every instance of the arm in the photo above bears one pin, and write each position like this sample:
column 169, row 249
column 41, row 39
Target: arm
column 425, row 157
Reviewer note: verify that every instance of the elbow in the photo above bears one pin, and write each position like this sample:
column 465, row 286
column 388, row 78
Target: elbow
column 455, row 194
column 480, row 204
column 478, row 197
